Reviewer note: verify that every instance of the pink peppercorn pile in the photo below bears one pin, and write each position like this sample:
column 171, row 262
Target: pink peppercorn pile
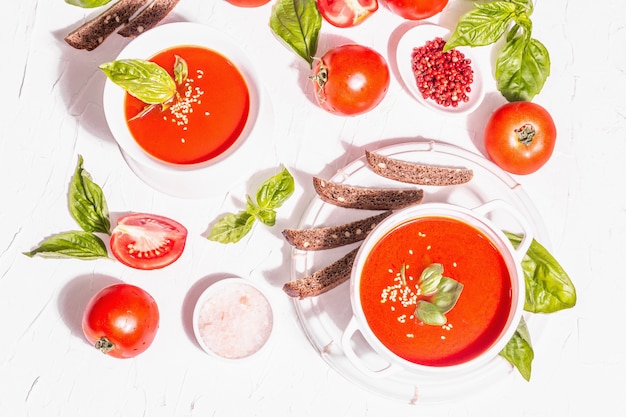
column 444, row 77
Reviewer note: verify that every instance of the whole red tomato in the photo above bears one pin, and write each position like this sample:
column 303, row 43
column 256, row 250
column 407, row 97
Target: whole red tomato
column 520, row 137
column 350, row 79
column 147, row 241
column 416, row 9
column 121, row 320
column 346, row 13
column 248, row 3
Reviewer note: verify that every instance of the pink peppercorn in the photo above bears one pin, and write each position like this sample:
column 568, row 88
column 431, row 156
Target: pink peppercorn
column 444, row 77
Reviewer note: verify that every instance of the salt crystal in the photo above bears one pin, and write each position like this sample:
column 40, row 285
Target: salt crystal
column 236, row 321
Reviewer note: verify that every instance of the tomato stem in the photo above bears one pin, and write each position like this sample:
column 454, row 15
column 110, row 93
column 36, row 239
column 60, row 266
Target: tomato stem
column 525, row 133
column 320, row 80
column 104, row 345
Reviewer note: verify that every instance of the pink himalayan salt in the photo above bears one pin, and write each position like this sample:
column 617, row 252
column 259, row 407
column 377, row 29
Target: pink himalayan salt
column 236, row 321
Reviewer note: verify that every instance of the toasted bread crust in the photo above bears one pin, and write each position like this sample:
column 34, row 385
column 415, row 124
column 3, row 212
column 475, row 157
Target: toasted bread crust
column 91, row 34
column 415, row 173
column 350, row 196
column 334, row 236
column 323, row 280
column 148, row 18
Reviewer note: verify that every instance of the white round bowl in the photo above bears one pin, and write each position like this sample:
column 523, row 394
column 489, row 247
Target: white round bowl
column 217, row 175
column 418, row 36
column 478, row 219
column 232, row 319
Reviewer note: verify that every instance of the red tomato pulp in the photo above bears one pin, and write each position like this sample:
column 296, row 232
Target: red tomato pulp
column 206, row 118
column 469, row 257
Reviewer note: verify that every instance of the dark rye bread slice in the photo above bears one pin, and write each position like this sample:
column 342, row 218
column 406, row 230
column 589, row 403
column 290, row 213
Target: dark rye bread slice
column 364, row 198
column 323, row 280
column 415, row 173
column 334, row 236
column 92, row 33
column 148, row 18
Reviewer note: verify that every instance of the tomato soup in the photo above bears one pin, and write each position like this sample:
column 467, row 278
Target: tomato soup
column 206, row 118
column 389, row 298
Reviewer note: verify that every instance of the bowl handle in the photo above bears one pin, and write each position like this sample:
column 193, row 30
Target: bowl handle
column 351, row 355
column 527, row 231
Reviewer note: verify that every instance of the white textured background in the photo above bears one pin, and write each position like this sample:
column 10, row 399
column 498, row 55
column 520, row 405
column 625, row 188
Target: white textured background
column 52, row 111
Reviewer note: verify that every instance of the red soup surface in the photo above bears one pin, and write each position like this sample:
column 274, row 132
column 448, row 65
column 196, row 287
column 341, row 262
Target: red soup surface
column 207, row 117
column 469, row 257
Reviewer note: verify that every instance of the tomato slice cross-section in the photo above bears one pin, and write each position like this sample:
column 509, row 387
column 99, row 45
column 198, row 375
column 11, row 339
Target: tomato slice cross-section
column 346, row 13
column 147, row 241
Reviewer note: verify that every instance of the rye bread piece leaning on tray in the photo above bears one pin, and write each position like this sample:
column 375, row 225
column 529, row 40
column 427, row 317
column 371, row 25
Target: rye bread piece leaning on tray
column 148, row 18
column 363, row 198
column 92, row 33
column 321, row 238
column 323, row 280
column 416, row 173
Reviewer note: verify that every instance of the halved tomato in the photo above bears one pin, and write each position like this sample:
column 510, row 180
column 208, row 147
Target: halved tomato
column 147, row 241
column 346, row 13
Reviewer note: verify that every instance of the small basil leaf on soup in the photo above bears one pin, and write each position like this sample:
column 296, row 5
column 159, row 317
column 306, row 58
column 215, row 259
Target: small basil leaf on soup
column 232, row 227
column 548, row 287
column 142, row 79
column 430, row 314
column 87, row 204
column 74, row 244
column 447, row 295
column 181, row 70
column 519, row 351
column 430, row 278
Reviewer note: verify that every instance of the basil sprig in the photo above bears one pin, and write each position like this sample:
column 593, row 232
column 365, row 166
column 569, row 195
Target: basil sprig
column 73, row 244
column 519, row 351
column 523, row 63
column 298, row 24
column 445, row 293
column 88, row 207
column 548, row 287
column 87, row 4
column 142, row 79
column 87, row 203
column 231, row 228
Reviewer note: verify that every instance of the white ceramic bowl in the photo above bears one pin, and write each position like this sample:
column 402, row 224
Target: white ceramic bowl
column 232, row 319
column 418, row 36
column 214, row 176
column 478, row 219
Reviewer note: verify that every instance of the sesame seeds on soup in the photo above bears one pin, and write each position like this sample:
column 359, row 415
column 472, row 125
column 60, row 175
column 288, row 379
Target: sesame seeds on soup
column 207, row 117
column 469, row 257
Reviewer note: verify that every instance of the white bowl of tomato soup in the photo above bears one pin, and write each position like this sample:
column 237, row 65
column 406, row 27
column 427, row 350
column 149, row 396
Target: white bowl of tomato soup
column 387, row 290
column 208, row 130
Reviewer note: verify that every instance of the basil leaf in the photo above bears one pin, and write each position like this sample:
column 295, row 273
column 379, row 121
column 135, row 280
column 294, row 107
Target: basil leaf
column 87, row 203
column 548, row 287
column 526, row 5
column 79, row 244
column 232, row 227
column 483, row 25
column 448, row 293
column 142, row 79
column 266, row 216
column 430, row 278
column 87, row 4
column 181, row 70
column 522, row 67
column 298, row 24
column 273, row 192
column 430, row 314
column 519, row 351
